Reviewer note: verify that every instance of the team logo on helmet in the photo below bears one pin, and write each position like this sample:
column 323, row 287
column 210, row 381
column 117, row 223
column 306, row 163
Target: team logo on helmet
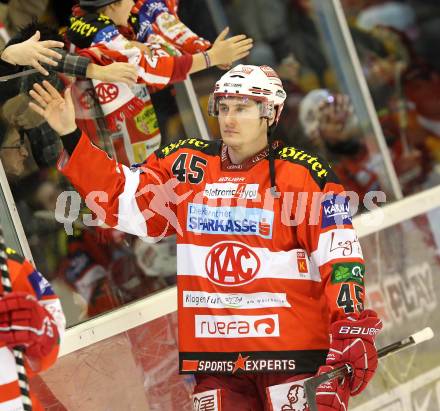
column 269, row 71
column 242, row 69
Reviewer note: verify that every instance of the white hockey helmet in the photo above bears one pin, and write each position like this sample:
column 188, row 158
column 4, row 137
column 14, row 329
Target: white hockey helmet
column 259, row 83
column 309, row 110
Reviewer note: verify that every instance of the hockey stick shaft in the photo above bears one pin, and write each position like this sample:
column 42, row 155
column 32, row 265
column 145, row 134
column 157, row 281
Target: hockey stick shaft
column 23, row 381
column 312, row 384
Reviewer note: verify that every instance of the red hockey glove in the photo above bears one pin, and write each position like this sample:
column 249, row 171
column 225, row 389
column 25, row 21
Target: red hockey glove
column 352, row 342
column 23, row 321
column 332, row 395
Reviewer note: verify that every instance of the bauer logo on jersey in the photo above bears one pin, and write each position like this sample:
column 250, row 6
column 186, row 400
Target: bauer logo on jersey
column 229, row 220
column 335, row 211
column 231, row 190
column 40, row 285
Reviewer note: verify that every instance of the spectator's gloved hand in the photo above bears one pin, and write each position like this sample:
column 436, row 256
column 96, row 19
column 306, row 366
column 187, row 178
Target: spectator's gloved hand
column 332, row 395
column 352, row 342
column 24, row 322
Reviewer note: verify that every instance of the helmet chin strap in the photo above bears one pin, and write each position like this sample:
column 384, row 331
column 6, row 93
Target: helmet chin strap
column 271, row 157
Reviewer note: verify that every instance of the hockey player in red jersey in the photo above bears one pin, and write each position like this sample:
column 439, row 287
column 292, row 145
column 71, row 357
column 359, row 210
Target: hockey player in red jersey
column 266, row 294
column 30, row 316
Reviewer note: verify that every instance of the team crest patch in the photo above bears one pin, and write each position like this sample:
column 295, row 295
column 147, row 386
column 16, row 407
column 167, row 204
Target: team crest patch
column 287, row 397
column 207, row 401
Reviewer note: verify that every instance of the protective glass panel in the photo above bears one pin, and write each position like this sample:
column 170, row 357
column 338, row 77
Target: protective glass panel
column 397, row 43
column 135, row 370
column 139, row 368
column 93, row 268
column 321, row 113
column 403, row 287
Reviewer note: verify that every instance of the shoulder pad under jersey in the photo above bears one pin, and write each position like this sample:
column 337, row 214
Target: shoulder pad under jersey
column 319, row 169
column 13, row 255
column 210, row 147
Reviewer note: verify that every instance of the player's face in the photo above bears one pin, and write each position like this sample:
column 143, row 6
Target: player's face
column 240, row 123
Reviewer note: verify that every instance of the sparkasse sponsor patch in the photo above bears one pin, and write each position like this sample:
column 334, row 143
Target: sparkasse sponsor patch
column 229, row 220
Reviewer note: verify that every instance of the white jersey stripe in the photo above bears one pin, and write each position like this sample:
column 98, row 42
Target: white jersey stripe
column 151, row 78
column 12, row 405
column 8, row 372
column 130, row 218
column 273, row 264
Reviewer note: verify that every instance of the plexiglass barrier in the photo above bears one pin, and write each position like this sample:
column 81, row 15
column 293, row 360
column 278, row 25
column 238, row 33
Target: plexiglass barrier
column 137, row 369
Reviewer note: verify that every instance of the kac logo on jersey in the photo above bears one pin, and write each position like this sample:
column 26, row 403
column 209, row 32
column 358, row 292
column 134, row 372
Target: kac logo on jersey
column 231, row 264
column 229, row 220
column 335, row 211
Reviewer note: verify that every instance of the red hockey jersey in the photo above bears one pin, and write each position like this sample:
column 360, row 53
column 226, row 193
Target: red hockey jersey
column 259, row 278
column 25, row 278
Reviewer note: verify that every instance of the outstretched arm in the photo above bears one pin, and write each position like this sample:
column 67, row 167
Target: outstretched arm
column 140, row 203
column 82, row 66
column 33, row 52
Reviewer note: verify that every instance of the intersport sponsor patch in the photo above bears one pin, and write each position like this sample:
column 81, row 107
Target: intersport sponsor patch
column 229, row 220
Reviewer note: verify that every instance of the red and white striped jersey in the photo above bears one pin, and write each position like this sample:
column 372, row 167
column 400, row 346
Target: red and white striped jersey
column 25, row 278
column 259, row 278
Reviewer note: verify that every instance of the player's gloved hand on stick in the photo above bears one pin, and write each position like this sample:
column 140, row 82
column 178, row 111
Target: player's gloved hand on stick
column 332, row 395
column 24, row 322
column 352, row 342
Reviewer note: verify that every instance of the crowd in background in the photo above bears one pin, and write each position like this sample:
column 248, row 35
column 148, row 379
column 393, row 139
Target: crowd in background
column 396, row 42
